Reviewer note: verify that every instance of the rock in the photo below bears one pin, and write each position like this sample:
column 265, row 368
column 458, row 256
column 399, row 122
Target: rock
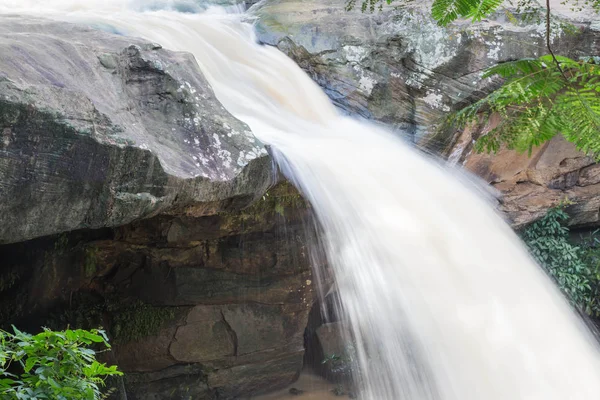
column 147, row 354
column 337, row 350
column 531, row 184
column 331, row 338
column 235, row 328
column 99, row 130
column 268, row 375
column 296, row 392
column 397, row 66
column 121, row 183
column 203, row 338
column 187, row 382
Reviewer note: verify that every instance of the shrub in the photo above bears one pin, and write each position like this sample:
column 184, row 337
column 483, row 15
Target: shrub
column 52, row 365
column 573, row 266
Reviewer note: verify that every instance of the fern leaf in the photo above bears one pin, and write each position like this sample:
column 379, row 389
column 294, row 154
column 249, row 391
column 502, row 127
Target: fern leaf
column 446, row 11
column 537, row 103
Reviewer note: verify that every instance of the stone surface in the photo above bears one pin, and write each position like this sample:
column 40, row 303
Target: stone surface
column 98, row 130
column 203, row 339
column 331, row 338
column 333, row 341
column 215, row 312
column 398, row 66
column 528, row 185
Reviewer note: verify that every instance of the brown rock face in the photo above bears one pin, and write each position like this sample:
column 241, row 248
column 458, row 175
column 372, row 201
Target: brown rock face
column 197, row 307
column 531, row 184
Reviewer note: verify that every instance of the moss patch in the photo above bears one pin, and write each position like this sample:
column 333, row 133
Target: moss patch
column 127, row 320
column 277, row 200
column 90, row 261
column 139, row 320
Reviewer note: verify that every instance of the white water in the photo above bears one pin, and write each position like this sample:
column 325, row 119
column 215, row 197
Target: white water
column 441, row 295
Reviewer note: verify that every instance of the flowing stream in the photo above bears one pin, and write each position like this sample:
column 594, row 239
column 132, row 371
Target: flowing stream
column 442, row 298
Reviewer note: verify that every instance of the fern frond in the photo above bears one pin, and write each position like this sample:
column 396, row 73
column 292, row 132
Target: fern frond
column 580, row 110
column 446, row 11
column 536, row 102
column 523, row 66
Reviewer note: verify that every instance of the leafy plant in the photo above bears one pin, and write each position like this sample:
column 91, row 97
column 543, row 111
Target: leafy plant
column 540, row 98
column 52, row 365
column 569, row 264
column 332, row 358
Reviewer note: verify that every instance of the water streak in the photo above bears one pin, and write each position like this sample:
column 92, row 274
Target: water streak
column 442, row 298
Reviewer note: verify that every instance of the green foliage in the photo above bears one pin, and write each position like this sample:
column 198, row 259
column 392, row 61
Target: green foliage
column 52, row 365
column 540, row 98
column 446, row 11
column 332, row 359
column 341, row 364
column 570, row 265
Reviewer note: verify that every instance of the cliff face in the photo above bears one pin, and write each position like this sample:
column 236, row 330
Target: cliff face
column 208, row 307
column 528, row 185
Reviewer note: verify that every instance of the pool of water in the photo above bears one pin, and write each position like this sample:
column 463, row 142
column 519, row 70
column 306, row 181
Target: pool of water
column 312, row 386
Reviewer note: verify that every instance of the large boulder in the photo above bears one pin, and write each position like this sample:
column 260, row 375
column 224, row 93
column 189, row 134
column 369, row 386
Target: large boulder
column 99, row 130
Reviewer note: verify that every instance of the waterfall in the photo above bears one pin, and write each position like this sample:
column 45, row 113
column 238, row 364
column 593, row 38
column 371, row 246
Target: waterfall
column 442, row 299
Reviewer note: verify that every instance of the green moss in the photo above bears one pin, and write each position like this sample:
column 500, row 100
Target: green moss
column 138, row 320
column 277, row 200
column 90, row 262
column 280, row 210
column 128, row 321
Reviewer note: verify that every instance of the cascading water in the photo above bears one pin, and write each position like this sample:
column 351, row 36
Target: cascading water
column 443, row 301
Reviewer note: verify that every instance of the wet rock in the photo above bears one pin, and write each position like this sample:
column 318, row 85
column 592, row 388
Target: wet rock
column 205, row 338
column 337, row 350
column 296, row 392
column 99, row 130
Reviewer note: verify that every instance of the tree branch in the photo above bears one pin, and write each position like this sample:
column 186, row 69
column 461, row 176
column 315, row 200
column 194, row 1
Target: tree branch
column 548, row 41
